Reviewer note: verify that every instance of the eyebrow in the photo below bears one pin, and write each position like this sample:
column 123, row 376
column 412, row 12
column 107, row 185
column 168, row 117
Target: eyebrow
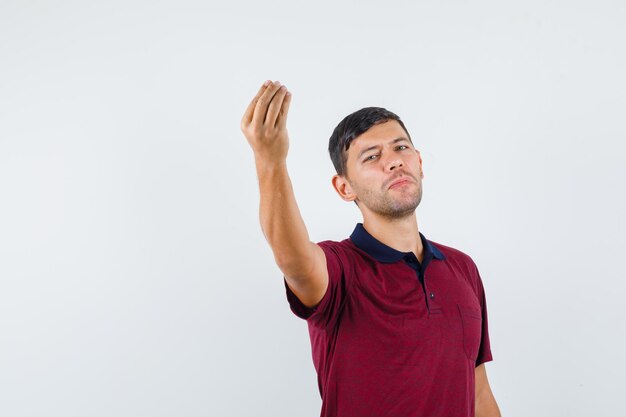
column 378, row 146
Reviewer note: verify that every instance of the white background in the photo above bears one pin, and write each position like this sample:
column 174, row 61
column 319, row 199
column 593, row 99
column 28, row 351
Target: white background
column 134, row 276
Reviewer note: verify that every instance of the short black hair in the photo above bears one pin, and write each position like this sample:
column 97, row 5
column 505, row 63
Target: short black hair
column 352, row 126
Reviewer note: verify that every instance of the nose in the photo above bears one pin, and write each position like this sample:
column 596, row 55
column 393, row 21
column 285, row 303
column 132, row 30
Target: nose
column 393, row 163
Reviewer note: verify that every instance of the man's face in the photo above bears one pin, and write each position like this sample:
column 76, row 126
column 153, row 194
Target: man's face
column 376, row 159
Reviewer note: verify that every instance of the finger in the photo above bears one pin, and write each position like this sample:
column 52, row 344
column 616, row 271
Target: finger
column 247, row 116
column 282, row 116
column 275, row 105
column 260, row 111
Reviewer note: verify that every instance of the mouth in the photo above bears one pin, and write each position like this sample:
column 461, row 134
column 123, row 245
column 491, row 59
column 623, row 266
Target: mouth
column 400, row 182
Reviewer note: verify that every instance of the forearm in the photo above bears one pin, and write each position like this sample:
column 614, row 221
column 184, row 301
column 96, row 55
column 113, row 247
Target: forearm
column 280, row 218
column 486, row 406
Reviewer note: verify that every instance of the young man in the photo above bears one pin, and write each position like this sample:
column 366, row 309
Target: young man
column 398, row 323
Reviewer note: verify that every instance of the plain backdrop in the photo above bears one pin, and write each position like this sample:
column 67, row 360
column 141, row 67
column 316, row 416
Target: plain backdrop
column 134, row 276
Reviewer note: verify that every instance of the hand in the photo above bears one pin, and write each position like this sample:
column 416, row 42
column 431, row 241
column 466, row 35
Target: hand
column 264, row 123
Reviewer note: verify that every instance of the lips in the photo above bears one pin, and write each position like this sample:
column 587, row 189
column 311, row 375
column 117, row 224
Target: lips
column 400, row 181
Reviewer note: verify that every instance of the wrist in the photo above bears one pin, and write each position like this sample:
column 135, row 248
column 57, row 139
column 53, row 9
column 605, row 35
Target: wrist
column 265, row 163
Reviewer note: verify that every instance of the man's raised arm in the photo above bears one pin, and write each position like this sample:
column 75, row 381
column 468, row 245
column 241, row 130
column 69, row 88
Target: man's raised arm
column 302, row 262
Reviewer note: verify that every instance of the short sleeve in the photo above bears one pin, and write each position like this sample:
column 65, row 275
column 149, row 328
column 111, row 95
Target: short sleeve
column 331, row 304
column 484, row 351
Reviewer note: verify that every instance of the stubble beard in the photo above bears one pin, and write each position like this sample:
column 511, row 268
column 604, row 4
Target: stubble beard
column 391, row 206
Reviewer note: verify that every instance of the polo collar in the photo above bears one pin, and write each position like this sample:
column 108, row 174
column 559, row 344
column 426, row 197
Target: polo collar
column 383, row 253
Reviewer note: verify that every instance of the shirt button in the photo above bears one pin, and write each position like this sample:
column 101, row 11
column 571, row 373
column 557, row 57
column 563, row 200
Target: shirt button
column 432, row 295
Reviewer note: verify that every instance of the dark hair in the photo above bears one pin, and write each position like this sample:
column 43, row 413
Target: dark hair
column 352, row 126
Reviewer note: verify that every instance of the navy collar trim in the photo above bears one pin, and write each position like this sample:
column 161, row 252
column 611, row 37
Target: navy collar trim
column 383, row 253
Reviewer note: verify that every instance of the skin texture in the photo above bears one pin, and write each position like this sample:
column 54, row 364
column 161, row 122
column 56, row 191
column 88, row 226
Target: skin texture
column 302, row 262
column 485, row 404
column 390, row 203
column 264, row 124
column 388, row 212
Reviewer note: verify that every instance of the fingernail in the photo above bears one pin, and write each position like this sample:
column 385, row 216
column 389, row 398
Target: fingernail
column 266, row 83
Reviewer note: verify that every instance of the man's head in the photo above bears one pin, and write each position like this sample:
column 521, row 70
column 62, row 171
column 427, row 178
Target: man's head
column 370, row 149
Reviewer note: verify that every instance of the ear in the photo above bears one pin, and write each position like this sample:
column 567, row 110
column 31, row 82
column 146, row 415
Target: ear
column 343, row 188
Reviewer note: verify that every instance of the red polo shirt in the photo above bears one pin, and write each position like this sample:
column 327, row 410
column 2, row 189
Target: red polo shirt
column 393, row 338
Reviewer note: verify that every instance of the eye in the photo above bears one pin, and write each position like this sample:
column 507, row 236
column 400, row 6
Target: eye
column 397, row 147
